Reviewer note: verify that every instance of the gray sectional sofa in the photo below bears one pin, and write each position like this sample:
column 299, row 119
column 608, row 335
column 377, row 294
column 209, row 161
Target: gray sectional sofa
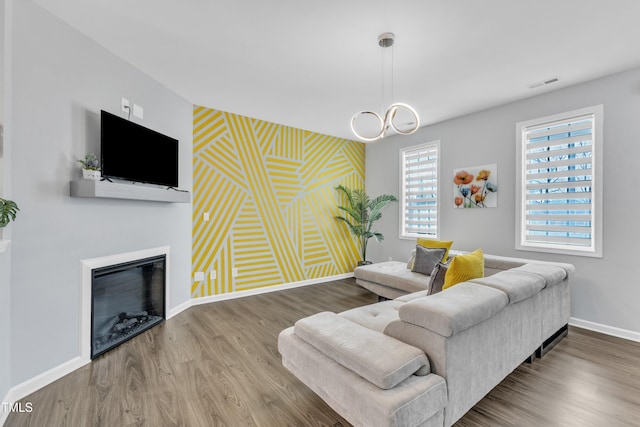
column 393, row 279
column 425, row 360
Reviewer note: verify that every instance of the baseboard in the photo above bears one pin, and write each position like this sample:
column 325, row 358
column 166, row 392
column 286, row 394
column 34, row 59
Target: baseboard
column 604, row 329
column 241, row 294
column 34, row 384
column 179, row 309
column 267, row 289
column 4, row 414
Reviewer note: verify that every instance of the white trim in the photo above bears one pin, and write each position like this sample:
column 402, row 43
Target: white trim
column 604, row 329
column 85, row 291
column 267, row 289
column 241, row 294
column 4, row 415
column 597, row 183
column 179, row 309
column 34, row 384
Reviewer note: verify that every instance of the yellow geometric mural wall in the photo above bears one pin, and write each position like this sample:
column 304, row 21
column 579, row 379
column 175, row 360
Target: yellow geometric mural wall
column 270, row 193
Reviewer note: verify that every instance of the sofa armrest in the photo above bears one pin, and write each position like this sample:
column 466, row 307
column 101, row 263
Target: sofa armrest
column 380, row 359
column 455, row 309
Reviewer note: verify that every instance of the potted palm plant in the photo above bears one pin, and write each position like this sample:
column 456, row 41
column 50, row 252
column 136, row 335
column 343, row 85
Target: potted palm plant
column 8, row 211
column 361, row 212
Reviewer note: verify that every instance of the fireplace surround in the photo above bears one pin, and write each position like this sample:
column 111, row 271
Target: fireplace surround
column 123, row 295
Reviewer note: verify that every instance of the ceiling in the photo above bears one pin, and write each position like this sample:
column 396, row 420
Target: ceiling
column 312, row 65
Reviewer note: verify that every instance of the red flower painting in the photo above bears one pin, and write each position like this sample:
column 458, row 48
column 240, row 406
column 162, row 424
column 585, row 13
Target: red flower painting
column 476, row 187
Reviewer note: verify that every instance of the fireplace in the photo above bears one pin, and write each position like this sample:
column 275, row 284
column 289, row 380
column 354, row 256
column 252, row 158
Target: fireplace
column 126, row 299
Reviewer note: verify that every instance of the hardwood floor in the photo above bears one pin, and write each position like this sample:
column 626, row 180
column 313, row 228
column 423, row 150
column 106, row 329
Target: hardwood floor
column 218, row 365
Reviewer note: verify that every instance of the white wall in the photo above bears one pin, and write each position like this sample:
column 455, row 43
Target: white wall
column 5, row 258
column 605, row 290
column 61, row 81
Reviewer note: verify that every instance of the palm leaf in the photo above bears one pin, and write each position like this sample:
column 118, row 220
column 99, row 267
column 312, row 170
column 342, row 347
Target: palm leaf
column 361, row 212
column 8, row 212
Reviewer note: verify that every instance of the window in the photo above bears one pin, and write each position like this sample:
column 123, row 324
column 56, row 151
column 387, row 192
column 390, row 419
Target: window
column 419, row 190
column 559, row 196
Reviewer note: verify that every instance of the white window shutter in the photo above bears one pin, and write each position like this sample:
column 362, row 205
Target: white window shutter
column 419, row 192
column 559, row 210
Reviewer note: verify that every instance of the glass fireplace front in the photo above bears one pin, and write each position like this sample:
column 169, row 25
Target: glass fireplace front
column 126, row 300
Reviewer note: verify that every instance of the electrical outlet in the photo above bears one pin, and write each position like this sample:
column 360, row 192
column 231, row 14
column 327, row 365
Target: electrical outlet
column 234, row 272
column 390, row 258
column 205, row 216
column 124, row 105
column 198, row 276
column 213, row 275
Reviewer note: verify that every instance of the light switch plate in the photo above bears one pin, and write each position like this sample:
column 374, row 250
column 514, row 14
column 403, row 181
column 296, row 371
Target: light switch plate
column 138, row 111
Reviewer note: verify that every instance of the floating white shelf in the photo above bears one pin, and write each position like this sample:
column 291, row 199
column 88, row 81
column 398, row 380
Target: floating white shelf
column 112, row 190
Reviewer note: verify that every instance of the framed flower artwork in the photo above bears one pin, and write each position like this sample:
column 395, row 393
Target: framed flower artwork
column 476, row 187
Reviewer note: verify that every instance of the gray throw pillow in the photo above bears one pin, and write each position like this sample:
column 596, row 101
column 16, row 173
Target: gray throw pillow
column 426, row 259
column 437, row 278
column 412, row 259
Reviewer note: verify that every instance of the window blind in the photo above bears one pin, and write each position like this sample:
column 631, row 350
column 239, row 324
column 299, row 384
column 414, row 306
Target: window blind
column 419, row 201
column 558, row 171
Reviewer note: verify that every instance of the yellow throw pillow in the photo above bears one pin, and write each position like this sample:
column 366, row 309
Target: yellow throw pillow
column 435, row 244
column 463, row 268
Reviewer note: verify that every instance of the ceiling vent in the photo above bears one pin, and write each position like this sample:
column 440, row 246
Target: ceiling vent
column 544, row 83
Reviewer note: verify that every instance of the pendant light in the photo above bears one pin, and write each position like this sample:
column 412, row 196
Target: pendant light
column 386, row 121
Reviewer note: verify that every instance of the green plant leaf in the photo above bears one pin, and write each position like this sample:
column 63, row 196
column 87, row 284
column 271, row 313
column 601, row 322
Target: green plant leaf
column 361, row 212
column 8, row 212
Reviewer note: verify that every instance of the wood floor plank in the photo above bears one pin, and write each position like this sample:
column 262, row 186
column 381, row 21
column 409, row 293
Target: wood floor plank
column 218, row 365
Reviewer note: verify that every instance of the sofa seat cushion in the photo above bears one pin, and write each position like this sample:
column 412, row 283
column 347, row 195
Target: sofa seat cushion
column 380, row 359
column 394, row 274
column 517, row 284
column 374, row 316
column 455, row 309
column 411, row 297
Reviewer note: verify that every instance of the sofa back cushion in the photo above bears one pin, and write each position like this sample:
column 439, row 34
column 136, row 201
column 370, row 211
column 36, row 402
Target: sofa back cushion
column 552, row 274
column 454, row 310
column 517, row 284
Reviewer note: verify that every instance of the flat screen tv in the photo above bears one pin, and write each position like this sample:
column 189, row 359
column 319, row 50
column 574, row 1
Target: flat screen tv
column 132, row 152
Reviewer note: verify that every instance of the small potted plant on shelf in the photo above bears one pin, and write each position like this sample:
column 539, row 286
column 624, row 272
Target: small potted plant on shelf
column 90, row 168
column 8, row 211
